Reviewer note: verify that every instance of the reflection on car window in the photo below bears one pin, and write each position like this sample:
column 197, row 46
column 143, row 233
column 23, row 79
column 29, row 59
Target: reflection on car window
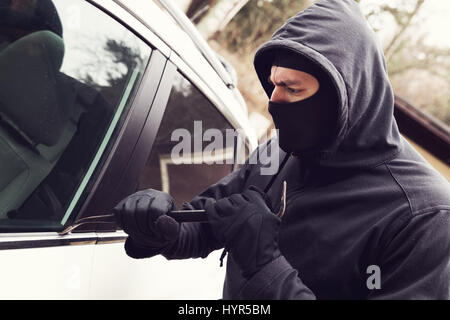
column 68, row 73
column 193, row 113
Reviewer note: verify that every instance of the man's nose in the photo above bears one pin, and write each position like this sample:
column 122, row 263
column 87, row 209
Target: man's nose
column 278, row 95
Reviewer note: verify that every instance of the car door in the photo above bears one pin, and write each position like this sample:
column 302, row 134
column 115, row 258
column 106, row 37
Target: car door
column 183, row 113
column 72, row 106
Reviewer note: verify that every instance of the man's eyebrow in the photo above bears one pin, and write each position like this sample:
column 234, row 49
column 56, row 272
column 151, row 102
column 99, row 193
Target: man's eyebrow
column 284, row 83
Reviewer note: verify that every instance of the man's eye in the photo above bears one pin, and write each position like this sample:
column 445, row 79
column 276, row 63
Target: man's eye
column 293, row 91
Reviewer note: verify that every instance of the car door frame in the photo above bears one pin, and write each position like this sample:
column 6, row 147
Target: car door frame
column 119, row 155
column 146, row 140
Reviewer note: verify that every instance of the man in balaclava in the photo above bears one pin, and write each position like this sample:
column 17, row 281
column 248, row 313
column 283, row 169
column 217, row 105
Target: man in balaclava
column 366, row 216
column 303, row 103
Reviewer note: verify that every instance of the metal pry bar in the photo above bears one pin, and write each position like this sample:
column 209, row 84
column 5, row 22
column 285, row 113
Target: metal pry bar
column 178, row 215
column 189, row 215
column 280, row 213
column 108, row 218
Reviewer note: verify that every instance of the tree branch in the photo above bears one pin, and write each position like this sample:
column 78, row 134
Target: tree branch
column 403, row 28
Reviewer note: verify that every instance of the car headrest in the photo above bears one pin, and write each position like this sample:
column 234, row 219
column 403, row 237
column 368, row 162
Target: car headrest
column 29, row 94
column 29, row 18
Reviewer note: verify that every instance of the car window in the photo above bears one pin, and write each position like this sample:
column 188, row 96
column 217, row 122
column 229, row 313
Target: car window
column 68, row 75
column 194, row 146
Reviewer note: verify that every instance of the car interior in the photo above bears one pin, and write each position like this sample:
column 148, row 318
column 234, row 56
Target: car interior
column 45, row 119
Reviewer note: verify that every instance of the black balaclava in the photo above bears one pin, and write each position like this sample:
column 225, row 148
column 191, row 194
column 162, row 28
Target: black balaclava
column 305, row 127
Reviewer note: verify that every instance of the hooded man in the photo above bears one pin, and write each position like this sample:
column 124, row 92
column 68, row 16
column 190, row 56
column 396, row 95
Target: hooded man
column 366, row 218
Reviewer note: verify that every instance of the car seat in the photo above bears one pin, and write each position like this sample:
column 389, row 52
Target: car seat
column 37, row 115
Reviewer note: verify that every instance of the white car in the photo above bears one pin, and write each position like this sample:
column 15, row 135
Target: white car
column 90, row 94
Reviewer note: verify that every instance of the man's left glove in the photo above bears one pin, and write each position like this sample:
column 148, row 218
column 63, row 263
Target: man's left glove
column 143, row 216
column 247, row 227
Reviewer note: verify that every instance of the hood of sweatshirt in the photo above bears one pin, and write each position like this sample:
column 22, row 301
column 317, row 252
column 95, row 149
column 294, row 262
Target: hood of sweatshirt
column 335, row 35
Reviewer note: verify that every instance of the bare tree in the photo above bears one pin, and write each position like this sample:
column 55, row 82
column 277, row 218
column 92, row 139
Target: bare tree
column 211, row 16
column 256, row 22
column 403, row 19
column 411, row 61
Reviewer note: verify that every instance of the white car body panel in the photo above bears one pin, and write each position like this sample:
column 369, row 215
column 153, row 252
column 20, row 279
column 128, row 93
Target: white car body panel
column 46, row 273
column 104, row 271
column 117, row 276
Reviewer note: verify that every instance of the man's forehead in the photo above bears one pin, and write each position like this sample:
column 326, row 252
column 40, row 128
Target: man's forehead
column 288, row 75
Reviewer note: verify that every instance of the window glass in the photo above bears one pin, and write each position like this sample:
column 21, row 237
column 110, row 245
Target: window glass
column 194, row 146
column 68, row 73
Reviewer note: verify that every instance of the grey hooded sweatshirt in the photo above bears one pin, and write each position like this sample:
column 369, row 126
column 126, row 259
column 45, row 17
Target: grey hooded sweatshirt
column 368, row 218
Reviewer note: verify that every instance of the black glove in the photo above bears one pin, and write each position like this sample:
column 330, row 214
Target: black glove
column 247, row 228
column 143, row 216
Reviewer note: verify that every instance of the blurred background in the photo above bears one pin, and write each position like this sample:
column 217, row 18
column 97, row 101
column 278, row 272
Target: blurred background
column 413, row 33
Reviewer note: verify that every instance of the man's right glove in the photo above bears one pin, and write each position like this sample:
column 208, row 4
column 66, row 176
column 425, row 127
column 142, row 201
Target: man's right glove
column 142, row 216
column 248, row 229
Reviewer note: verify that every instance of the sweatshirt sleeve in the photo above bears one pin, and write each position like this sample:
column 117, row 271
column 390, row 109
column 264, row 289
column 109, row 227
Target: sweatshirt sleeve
column 278, row 280
column 196, row 239
column 414, row 265
column 416, row 262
